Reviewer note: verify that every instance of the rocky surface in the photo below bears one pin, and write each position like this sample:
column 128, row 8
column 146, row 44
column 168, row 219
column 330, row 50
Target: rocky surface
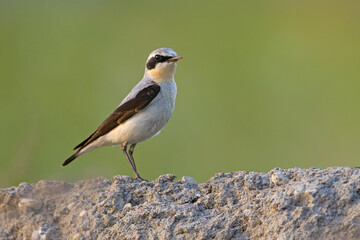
column 282, row 204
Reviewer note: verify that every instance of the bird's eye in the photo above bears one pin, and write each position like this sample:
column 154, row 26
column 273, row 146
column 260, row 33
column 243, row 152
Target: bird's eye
column 157, row 57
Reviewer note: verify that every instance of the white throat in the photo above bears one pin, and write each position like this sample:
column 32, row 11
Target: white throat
column 162, row 72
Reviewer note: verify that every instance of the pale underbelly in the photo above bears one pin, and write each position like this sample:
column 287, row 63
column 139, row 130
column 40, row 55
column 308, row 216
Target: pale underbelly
column 136, row 129
column 143, row 125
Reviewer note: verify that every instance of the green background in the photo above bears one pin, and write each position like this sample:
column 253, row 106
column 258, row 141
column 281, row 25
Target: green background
column 263, row 84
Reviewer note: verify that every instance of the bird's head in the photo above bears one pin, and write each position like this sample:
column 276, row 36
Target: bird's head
column 161, row 64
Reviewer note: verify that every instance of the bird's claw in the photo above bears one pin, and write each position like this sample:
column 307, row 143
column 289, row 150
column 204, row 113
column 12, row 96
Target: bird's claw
column 141, row 179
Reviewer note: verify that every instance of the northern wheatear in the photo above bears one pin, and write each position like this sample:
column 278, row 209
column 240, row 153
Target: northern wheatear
column 143, row 112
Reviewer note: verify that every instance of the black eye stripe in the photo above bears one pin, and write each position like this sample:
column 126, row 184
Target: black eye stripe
column 163, row 58
column 153, row 61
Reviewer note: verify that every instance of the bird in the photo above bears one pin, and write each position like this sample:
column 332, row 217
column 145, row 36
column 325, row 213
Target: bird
column 142, row 113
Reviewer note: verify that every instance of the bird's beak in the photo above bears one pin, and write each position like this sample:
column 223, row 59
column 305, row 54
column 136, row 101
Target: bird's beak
column 175, row 59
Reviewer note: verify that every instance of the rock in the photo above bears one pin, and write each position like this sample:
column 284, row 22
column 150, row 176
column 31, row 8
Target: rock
column 71, row 206
column 278, row 177
column 282, row 204
column 35, row 235
column 30, row 203
column 41, row 234
column 83, row 213
column 187, row 179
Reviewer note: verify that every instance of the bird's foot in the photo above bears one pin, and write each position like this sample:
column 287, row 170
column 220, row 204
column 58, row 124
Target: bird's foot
column 137, row 177
column 141, row 179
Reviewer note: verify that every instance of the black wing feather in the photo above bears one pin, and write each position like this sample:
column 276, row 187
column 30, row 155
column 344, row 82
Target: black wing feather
column 123, row 113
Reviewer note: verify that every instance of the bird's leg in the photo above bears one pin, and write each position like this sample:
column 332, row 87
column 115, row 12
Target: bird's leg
column 124, row 150
column 131, row 152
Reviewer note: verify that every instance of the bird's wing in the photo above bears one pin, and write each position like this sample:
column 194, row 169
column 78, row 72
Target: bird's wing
column 123, row 113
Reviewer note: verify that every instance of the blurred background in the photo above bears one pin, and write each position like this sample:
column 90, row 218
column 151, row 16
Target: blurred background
column 263, row 84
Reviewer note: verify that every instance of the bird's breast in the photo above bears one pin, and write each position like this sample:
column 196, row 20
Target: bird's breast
column 167, row 94
column 162, row 107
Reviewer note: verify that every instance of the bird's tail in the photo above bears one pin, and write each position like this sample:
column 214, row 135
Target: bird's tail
column 70, row 159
